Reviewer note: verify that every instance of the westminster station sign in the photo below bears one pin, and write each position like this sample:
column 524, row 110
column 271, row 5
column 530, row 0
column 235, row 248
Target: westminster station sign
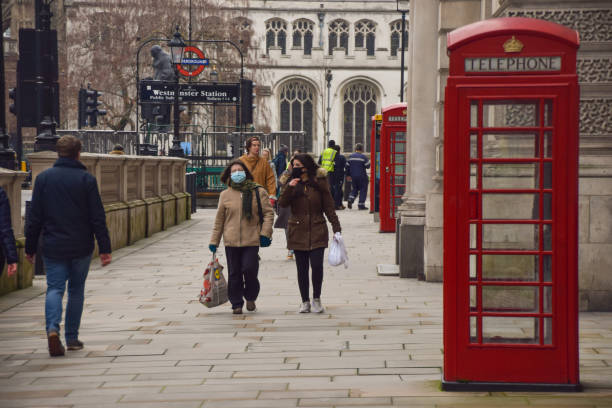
column 513, row 64
column 163, row 92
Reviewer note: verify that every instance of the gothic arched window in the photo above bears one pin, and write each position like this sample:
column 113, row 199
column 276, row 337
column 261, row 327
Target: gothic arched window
column 297, row 109
column 338, row 35
column 359, row 106
column 276, row 34
column 396, row 41
column 302, row 35
column 365, row 35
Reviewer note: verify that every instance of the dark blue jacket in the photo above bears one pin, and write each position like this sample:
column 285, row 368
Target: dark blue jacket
column 67, row 208
column 280, row 163
column 356, row 166
column 340, row 164
column 7, row 239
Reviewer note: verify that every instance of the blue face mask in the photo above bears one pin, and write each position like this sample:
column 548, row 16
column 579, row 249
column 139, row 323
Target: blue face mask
column 238, row 176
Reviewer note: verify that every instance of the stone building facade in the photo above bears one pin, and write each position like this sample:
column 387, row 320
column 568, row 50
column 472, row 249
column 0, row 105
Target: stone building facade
column 421, row 235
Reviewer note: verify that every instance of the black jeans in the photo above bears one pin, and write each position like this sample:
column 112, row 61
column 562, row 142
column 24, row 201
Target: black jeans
column 315, row 257
column 242, row 269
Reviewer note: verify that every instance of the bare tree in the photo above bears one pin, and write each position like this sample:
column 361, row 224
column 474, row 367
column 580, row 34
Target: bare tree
column 105, row 35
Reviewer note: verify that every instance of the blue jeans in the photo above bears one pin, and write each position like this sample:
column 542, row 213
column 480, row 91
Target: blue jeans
column 58, row 272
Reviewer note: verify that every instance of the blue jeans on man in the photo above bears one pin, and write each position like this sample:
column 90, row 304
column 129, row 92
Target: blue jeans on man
column 59, row 271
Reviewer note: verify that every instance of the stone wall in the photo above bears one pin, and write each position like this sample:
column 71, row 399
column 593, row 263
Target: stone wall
column 141, row 196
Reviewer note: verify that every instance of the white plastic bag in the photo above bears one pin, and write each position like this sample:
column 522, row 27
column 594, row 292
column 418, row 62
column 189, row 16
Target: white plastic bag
column 337, row 252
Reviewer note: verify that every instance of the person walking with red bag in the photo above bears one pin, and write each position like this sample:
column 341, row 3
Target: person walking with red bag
column 244, row 220
column 309, row 197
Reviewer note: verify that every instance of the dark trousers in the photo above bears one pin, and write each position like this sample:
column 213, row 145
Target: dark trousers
column 360, row 186
column 315, row 258
column 242, row 269
column 337, row 191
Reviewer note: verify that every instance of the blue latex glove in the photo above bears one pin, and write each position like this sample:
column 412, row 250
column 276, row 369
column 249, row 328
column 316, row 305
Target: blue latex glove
column 264, row 241
column 213, row 248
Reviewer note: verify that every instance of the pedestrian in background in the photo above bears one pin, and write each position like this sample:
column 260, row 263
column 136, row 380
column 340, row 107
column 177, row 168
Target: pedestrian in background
column 8, row 249
column 266, row 154
column 338, row 178
column 118, row 150
column 68, row 210
column 244, row 220
column 309, row 197
column 280, row 161
column 259, row 168
column 285, row 212
column 356, row 169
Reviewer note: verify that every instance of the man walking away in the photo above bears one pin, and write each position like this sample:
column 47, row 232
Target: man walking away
column 356, row 170
column 259, row 168
column 327, row 160
column 280, row 160
column 339, row 166
column 67, row 209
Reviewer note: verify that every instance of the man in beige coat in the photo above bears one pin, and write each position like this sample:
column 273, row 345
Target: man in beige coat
column 259, row 167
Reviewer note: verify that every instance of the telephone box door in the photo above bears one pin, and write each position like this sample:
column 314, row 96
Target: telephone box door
column 516, row 285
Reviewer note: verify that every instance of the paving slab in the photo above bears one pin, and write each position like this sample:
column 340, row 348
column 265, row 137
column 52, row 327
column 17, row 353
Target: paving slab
column 149, row 343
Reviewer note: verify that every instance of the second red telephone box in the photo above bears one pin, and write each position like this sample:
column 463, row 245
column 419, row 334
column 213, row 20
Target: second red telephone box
column 392, row 164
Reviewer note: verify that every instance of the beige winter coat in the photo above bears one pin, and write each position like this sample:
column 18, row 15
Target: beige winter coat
column 236, row 230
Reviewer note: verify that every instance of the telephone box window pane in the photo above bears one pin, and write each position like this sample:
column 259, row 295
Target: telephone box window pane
column 399, row 191
column 547, row 175
column 510, row 114
column 547, row 268
column 510, row 206
column 401, row 179
column 473, row 237
column 547, row 207
column 399, row 136
column 400, row 168
column 472, row 267
column 548, row 330
column 548, row 144
column 547, row 299
column 399, row 147
column 510, row 330
column 548, row 113
column 522, row 268
column 510, row 236
column 547, row 244
column 510, row 176
column 509, row 145
column 473, row 146
column 511, row 299
column 473, row 299
column 473, row 176
column 474, row 114
column 473, row 329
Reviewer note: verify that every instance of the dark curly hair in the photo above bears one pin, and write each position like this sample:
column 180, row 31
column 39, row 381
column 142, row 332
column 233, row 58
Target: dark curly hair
column 227, row 173
column 311, row 169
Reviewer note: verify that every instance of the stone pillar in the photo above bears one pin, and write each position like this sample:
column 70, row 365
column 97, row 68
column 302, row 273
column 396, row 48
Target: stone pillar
column 420, row 144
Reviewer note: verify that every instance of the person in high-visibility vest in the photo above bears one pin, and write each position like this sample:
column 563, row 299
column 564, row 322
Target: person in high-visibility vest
column 327, row 157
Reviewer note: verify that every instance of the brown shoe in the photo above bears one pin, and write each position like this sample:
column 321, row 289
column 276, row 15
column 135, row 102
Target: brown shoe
column 237, row 310
column 55, row 345
column 250, row 305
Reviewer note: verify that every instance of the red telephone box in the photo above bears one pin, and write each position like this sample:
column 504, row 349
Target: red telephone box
column 375, row 163
column 392, row 164
column 510, row 207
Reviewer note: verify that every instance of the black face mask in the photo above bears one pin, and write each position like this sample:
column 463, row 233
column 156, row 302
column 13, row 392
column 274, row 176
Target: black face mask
column 296, row 172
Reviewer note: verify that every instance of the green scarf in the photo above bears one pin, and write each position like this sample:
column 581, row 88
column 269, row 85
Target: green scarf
column 246, row 188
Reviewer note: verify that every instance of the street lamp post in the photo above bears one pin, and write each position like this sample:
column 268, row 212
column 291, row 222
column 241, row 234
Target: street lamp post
column 214, row 78
column 403, row 6
column 328, row 79
column 177, row 47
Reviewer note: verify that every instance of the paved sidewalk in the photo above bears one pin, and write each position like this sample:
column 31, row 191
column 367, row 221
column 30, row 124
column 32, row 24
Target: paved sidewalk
column 149, row 343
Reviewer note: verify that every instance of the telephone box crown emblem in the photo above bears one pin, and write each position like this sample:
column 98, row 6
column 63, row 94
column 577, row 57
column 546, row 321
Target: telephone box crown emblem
column 513, row 45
